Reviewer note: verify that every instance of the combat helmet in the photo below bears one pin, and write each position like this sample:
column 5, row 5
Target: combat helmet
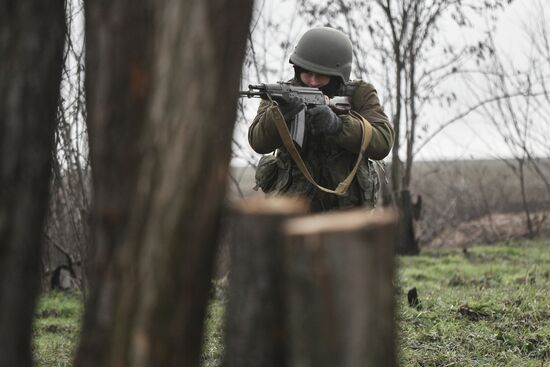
column 326, row 51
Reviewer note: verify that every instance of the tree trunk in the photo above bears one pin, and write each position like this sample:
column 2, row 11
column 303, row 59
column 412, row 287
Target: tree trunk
column 31, row 58
column 413, row 97
column 340, row 299
column 162, row 81
column 407, row 244
column 118, row 76
column 255, row 328
column 525, row 203
column 396, row 167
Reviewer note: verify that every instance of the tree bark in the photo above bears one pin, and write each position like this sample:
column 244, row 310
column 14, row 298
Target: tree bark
column 525, row 203
column 339, row 279
column 31, row 58
column 162, row 81
column 255, row 328
column 408, row 243
column 118, row 75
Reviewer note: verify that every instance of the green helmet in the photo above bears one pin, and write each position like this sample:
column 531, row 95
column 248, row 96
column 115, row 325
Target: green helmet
column 325, row 51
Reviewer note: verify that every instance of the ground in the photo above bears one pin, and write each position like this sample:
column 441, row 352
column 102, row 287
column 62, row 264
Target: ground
column 488, row 229
column 56, row 328
column 486, row 306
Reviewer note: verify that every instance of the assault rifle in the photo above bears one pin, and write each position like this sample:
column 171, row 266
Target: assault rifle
column 284, row 92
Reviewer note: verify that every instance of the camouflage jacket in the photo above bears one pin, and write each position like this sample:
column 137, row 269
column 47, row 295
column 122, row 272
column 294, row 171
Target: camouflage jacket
column 329, row 158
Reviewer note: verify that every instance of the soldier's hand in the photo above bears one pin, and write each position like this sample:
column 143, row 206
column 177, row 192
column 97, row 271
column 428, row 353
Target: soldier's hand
column 323, row 120
column 290, row 108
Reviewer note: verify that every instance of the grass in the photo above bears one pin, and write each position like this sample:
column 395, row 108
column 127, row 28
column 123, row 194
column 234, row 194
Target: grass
column 212, row 354
column 56, row 329
column 488, row 306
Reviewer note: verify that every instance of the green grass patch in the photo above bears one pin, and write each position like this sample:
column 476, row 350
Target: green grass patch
column 213, row 348
column 487, row 306
column 56, row 329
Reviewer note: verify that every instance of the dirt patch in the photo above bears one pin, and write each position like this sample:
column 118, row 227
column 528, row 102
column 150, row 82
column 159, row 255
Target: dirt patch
column 58, row 329
column 48, row 313
column 491, row 229
column 472, row 313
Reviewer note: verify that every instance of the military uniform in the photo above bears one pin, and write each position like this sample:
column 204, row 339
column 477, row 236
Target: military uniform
column 328, row 157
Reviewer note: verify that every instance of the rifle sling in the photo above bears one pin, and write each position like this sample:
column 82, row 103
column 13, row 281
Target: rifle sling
column 343, row 186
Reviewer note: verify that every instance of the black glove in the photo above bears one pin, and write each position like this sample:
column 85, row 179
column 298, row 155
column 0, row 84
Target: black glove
column 323, row 120
column 290, row 108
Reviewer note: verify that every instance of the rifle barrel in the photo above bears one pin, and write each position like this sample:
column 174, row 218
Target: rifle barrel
column 250, row 93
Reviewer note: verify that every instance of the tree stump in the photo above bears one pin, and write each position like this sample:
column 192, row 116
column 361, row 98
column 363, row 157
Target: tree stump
column 255, row 326
column 339, row 289
column 408, row 243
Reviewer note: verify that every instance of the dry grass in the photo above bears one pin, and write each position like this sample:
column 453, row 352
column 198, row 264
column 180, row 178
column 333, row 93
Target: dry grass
column 489, row 229
column 464, row 202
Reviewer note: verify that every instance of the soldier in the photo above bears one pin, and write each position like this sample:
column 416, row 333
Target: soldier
column 322, row 59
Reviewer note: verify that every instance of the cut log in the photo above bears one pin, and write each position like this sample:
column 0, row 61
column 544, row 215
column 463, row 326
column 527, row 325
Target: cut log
column 255, row 332
column 339, row 289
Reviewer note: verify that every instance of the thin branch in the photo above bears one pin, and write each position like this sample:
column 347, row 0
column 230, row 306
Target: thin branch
column 466, row 113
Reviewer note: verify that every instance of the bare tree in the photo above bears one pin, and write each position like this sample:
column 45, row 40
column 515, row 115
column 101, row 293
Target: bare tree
column 31, row 54
column 270, row 33
column 161, row 86
column 67, row 234
column 519, row 112
column 404, row 36
column 512, row 98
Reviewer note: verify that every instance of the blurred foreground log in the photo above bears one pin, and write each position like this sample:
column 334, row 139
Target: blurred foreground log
column 339, row 289
column 255, row 325
column 31, row 59
column 162, row 80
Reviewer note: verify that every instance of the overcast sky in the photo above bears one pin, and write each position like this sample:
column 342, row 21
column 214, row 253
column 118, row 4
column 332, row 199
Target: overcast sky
column 473, row 137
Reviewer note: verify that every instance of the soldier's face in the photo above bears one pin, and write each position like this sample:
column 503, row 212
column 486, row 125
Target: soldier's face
column 314, row 80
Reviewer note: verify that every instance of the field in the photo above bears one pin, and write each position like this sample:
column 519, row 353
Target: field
column 464, row 202
column 486, row 306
